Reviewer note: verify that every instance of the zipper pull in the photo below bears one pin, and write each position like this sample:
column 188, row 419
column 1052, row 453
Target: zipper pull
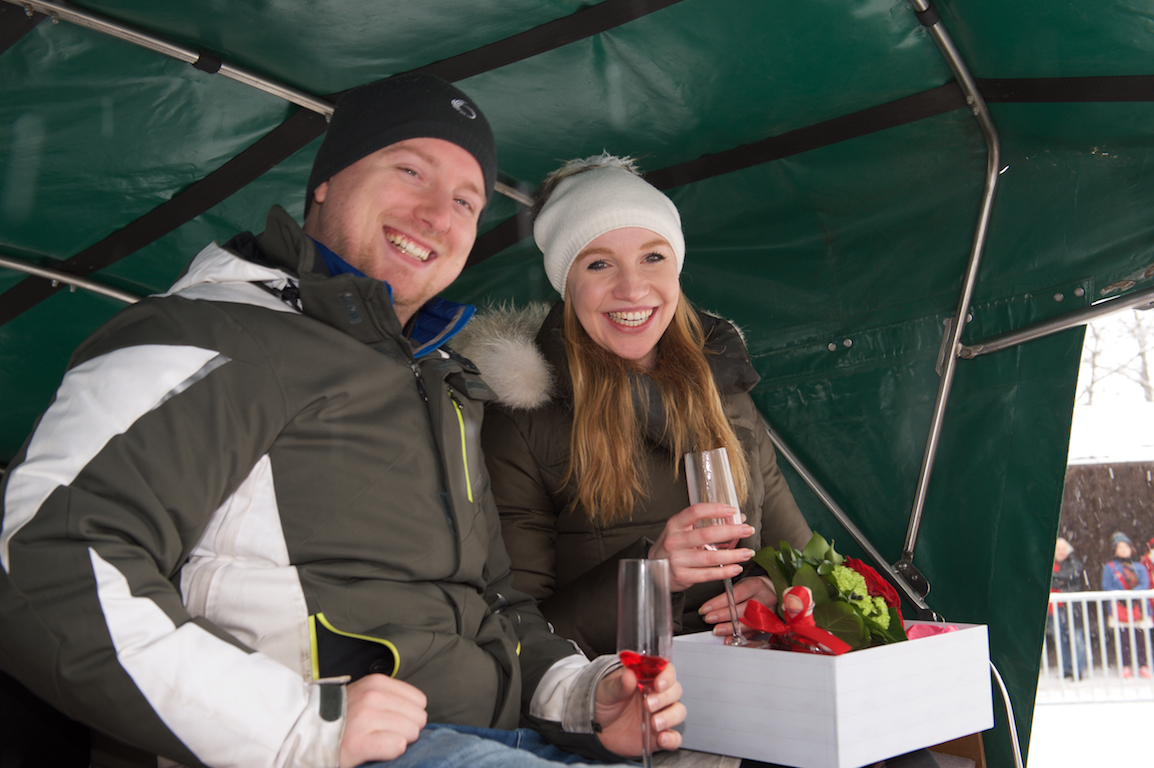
column 420, row 382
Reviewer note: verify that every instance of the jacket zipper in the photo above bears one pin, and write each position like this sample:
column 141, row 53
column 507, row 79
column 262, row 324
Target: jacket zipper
column 445, row 493
column 464, row 446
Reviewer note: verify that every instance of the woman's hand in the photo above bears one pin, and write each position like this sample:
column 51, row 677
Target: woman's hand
column 716, row 610
column 684, row 546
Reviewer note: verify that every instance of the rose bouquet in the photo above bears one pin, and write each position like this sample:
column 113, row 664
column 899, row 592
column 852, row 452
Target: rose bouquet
column 826, row 603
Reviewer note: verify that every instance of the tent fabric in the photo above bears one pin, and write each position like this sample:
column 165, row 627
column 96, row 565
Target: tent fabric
column 828, row 171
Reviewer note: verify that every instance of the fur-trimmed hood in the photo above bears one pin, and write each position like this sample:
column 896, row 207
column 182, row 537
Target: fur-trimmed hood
column 502, row 341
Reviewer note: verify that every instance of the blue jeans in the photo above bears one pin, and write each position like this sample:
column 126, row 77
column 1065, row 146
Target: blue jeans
column 462, row 746
column 1064, row 633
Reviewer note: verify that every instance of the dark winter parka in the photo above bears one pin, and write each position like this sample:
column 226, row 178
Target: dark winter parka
column 560, row 556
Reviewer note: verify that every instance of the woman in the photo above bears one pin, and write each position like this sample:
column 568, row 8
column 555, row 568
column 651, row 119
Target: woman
column 1123, row 573
column 1069, row 576
column 601, row 396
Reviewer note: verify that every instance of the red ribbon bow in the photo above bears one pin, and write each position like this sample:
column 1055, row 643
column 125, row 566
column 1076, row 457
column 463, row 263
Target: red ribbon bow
column 798, row 624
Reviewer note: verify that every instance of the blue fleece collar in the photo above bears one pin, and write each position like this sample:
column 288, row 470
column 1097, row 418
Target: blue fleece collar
column 435, row 323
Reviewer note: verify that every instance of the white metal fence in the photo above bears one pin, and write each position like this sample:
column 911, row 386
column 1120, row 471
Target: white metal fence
column 1093, row 653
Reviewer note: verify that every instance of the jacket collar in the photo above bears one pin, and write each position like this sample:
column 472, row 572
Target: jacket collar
column 354, row 304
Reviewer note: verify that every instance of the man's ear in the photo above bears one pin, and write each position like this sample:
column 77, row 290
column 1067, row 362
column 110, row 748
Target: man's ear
column 319, row 195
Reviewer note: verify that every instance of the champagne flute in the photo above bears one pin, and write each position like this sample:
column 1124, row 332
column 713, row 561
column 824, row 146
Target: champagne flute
column 644, row 628
column 710, row 479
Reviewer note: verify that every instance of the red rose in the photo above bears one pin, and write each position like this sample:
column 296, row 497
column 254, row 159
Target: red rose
column 877, row 586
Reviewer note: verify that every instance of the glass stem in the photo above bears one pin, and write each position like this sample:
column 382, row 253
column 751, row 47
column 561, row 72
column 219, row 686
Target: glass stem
column 737, row 636
column 646, row 752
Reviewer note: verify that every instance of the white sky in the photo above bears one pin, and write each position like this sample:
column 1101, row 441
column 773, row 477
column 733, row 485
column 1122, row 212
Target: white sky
column 1118, row 432
column 1119, row 427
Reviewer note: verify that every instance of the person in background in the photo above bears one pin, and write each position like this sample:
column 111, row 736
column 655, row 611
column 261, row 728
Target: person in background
column 253, row 528
column 1124, row 573
column 1069, row 576
column 1148, row 561
column 601, row 396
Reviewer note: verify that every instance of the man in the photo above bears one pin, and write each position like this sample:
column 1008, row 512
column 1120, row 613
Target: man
column 254, row 527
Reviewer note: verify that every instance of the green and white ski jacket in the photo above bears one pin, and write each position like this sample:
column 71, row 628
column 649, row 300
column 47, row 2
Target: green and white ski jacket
column 250, row 485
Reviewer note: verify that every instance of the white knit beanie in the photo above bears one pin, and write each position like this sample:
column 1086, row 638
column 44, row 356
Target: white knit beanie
column 588, row 204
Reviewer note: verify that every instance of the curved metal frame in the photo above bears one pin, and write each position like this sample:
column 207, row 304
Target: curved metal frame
column 58, row 12
column 951, row 343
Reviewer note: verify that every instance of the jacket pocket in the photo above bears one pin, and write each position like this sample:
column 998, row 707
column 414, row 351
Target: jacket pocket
column 336, row 653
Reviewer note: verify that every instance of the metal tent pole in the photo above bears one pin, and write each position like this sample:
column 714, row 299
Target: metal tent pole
column 951, row 343
column 952, row 340
column 1138, row 300
column 56, row 276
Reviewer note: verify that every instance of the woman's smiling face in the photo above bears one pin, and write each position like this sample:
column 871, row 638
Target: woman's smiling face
column 624, row 289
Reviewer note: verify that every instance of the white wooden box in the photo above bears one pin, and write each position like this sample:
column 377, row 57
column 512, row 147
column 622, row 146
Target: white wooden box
column 848, row 711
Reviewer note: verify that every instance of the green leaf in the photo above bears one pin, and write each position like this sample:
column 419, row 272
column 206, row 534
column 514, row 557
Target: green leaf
column 806, row 576
column 841, row 621
column 767, row 558
column 895, row 633
column 816, row 548
column 896, row 624
column 790, row 559
column 834, row 556
column 892, row 634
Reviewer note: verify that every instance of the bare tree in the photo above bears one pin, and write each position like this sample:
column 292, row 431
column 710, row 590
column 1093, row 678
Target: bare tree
column 1116, row 358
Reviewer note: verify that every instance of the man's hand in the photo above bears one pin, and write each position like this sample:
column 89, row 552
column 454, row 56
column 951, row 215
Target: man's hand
column 683, row 545
column 619, row 712
column 716, row 610
column 383, row 717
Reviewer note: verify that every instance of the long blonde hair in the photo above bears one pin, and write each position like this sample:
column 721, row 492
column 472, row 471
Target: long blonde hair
column 608, row 443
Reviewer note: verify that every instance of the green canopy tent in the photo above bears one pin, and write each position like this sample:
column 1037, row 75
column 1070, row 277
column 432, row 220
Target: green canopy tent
column 847, row 186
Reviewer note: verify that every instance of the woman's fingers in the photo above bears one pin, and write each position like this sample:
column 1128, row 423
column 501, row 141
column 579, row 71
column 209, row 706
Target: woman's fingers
column 697, row 566
column 716, row 610
column 702, row 553
column 684, row 530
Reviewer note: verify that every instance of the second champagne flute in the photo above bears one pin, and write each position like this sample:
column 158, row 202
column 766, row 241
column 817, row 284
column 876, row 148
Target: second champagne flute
column 644, row 627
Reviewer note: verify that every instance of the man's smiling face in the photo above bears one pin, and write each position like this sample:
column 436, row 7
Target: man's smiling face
column 406, row 214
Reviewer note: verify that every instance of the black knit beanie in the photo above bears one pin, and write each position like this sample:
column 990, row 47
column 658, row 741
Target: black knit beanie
column 409, row 106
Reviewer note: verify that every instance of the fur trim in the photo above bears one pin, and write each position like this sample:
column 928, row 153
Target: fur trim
column 501, row 342
column 738, row 329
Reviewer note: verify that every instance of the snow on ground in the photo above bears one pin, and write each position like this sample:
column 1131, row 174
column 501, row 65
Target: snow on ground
column 1088, row 735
